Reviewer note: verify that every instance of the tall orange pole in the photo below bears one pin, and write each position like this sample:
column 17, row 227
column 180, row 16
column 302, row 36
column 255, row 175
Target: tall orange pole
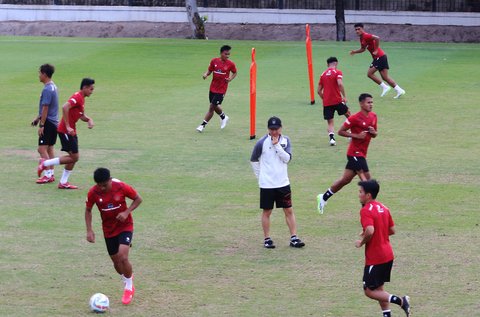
column 253, row 95
column 308, row 43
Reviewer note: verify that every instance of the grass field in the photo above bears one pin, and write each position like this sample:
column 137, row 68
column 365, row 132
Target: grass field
column 197, row 247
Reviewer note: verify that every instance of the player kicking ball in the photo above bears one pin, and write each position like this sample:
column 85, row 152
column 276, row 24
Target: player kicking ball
column 109, row 195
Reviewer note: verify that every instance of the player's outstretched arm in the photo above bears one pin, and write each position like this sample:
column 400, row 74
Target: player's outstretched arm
column 360, row 50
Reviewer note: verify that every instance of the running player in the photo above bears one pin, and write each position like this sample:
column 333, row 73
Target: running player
column 380, row 61
column 224, row 71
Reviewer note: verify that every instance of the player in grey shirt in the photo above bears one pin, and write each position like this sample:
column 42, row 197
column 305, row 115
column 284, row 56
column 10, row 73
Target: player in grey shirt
column 47, row 120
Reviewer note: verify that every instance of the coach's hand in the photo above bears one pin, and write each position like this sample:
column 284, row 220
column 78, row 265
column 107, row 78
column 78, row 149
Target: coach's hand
column 91, row 236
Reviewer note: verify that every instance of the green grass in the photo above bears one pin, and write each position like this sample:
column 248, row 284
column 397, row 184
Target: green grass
column 197, row 245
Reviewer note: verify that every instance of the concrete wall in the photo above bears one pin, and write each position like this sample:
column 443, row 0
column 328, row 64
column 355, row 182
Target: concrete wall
column 221, row 15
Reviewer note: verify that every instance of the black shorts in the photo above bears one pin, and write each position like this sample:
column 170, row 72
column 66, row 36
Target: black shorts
column 282, row 197
column 49, row 136
column 113, row 243
column 69, row 143
column 375, row 276
column 329, row 111
column 215, row 99
column 356, row 163
column 380, row 63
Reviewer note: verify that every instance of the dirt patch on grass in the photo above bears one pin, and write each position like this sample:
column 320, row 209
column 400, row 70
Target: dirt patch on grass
column 290, row 32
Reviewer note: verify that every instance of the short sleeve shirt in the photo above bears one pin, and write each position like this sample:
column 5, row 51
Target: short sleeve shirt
column 221, row 71
column 110, row 204
column 49, row 98
column 378, row 250
column 358, row 123
column 367, row 41
column 76, row 109
column 331, row 91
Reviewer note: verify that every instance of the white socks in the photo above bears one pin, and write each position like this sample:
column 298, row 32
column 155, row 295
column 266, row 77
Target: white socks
column 49, row 172
column 129, row 283
column 51, row 162
column 65, row 176
column 384, row 86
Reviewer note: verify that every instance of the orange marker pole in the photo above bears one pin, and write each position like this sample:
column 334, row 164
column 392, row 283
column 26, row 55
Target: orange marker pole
column 253, row 95
column 308, row 43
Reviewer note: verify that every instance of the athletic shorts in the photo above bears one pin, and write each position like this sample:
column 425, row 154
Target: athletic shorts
column 69, row 142
column 215, row 99
column 375, row 276
column 49, row 136
column 356, row 163
column 380, row 63
column 282, row 197
column 113, row 243
column 329, row 111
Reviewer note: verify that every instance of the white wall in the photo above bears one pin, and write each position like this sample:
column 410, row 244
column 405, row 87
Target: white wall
column 221, row 15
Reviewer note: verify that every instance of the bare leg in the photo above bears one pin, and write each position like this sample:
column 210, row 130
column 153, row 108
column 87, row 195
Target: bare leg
column 346, row 178
column 120, row 261
column 387, row 78
column 266, row 222
column 330, row 126
column 371, row 74
column 379, row 295
column 290, row 220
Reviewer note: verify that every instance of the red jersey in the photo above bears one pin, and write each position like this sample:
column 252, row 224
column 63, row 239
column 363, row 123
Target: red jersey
column 75, row 111
column 331, row 91
column 221, row 71
column 358, row 123
column 378, row 250
column 367, row 41
column 110, row 204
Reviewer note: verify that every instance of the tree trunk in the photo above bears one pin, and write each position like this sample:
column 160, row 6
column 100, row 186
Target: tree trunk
column 340, row 18
column 196, row 22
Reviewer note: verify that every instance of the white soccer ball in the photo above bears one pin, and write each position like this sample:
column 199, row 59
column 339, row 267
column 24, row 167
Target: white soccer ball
column 99, row 303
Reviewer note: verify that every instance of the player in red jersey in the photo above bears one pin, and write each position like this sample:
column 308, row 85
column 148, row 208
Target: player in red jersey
column 109, row 195
column 378, row 226
column 361, row 128
column 224, row 71
column 380, row 61
column 332, row 92
column 73, row 110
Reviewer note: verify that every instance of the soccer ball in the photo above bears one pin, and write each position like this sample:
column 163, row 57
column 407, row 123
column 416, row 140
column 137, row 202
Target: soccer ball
column 99, row 303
